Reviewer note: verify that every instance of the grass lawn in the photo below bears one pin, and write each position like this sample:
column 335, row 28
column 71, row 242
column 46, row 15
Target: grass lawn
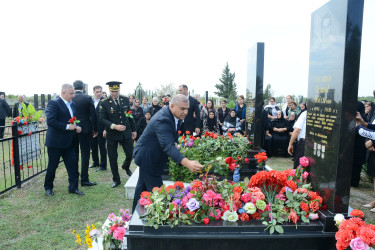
column 30, row 220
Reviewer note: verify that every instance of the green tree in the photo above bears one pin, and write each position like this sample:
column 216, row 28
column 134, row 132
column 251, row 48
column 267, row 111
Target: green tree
column 268, row 92
column 227, row 87
column 166, row 89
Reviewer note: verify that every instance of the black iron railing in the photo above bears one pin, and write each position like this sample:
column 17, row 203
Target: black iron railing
column 22, row 154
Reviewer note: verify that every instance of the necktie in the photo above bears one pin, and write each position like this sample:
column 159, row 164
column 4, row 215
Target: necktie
column 118, row 105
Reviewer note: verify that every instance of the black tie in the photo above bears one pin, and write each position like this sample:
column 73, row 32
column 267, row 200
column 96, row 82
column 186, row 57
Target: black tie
column 179, row 125
column 118, row 105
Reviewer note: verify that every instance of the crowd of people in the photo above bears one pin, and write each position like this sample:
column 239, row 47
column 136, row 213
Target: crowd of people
column 278, row 125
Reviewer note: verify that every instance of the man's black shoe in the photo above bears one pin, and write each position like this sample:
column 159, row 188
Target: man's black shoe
column 88, row 183
column 101, row 169
column 77, row 192
column 128, row 172
column 49, row 192
column 93, row 166
column 115, row 184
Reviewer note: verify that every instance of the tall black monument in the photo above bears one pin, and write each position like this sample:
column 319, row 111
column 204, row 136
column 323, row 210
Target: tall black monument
column 335, row 48
column 254, row 93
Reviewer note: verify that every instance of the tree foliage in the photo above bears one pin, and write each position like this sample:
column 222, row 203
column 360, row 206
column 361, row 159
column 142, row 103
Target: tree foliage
column 165, row 89
column 227, row 87
column 268, row 92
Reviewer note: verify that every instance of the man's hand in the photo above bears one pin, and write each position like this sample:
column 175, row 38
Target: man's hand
column 134, row 135
column 193, row 166
column 371, row 148
column 78, row 129
column 197, row 131
column 104, row 133
column 360, row 121
column 119, row 127
column 72, row 126
column 290, row 149
column 94, row 134
column 368, row 144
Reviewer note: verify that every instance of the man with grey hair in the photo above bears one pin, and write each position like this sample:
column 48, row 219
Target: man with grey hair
column 191, row 124
column 61, row 133
column 157, row 143
column 17, row 110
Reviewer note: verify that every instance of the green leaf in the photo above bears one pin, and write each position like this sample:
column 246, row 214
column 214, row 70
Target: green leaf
column 272, row 229
column 289, row 195
column 279, row 229
column 265, row 223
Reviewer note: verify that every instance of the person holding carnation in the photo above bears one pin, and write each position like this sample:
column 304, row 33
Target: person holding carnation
column 158, row 143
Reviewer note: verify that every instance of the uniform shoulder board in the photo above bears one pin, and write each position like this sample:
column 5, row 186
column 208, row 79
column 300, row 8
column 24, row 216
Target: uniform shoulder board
column 103, row 99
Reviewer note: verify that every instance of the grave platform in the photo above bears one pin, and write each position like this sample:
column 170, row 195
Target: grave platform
column 225, row 235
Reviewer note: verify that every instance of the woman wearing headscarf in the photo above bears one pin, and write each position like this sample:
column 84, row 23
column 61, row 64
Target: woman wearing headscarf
column 359, row 157
column 205, row 110
column 211, row 123
column 232, row 123
column 280, row 134
column 142, row 123
column 155, row 107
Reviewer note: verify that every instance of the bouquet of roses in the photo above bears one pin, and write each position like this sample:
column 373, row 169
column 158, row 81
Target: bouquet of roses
column 354, row 232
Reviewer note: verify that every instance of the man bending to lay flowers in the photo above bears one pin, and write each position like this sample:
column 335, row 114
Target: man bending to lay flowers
column 157, row 143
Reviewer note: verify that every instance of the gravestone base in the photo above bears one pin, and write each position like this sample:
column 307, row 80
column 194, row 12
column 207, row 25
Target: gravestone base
column 225, row 235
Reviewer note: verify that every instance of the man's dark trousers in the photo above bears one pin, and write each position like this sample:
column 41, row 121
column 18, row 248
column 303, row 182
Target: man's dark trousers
column 69, row 157
column 99, row 141
column 127, row 145
column 84, row 141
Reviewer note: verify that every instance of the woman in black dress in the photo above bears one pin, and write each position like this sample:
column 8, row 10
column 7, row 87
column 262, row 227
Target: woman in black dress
column 280, row 135
column 223, row 112
column 211, row 123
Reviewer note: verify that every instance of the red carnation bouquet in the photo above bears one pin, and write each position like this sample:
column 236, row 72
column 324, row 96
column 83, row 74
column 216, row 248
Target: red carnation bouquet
column 73, row 120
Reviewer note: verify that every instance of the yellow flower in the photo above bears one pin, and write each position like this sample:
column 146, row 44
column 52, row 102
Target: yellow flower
column 93, row 227
column 79, row 241
column 74, row 231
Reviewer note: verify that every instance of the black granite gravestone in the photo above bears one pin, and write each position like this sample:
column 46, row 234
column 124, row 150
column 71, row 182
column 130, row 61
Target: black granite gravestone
column 336, row 30
column 36, row 101
column 254, row 93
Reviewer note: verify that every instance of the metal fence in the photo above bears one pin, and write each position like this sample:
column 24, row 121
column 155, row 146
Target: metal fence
column 22, row 154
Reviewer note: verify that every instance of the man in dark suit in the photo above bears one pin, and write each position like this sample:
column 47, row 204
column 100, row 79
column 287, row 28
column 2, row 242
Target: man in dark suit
column 157, row 143
column 88, row 122
column 60, row 139
column 17, row 109
column 190, row 123
column 99, row 140
column 120, row 127
column 4, row 112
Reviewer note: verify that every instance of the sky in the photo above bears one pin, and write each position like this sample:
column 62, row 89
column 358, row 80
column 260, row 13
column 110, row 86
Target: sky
column 45, row 44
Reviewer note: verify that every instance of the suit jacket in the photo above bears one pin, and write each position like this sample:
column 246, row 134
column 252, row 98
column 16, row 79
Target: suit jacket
column 16, row 112
column 110, row 113
column 100, row 125
column 4, row 109
column 190, row 123
column 58, row 116
column 85, row 112
column 157, row 143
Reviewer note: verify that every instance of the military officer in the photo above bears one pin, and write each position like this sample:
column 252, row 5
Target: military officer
column 121, row 129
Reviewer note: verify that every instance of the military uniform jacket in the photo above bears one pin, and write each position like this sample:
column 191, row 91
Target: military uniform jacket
column 110, row 113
